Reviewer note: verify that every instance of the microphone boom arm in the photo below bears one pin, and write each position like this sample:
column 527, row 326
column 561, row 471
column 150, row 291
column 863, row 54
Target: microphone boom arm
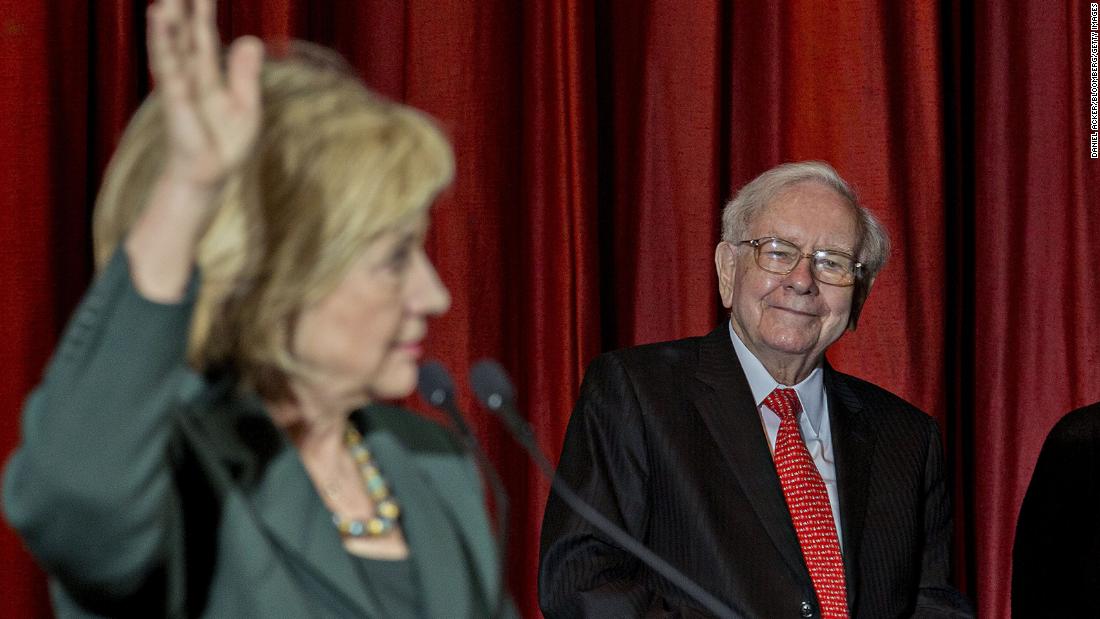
column 494, row 390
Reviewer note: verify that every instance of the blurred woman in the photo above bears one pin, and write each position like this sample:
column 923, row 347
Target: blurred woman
column 207, row 440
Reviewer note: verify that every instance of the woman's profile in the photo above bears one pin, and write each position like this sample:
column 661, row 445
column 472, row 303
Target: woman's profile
column 210, row 437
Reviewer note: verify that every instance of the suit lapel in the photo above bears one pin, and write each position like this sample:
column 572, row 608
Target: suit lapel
column 274, row 483
column 853, row 444
column 297, row 520
column 293, row 513
column 730, row 413
column 429, row 528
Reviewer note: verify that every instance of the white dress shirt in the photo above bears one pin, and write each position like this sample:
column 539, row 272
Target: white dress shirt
column 813, row 422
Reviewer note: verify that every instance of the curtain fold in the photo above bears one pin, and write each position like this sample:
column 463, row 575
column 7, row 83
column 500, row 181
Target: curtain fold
column 1037, row 310
column 27, row 309
column 662, row 92
column 596, row 144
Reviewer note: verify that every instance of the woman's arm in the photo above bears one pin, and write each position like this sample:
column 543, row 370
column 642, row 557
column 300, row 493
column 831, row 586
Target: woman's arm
column 211, row 121
column 91, row 488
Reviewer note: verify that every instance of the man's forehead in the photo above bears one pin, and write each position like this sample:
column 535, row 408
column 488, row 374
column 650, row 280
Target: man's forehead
column 809, row 212
column 810, row 191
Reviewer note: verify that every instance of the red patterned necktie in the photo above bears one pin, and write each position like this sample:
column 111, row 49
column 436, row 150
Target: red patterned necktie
column 808, row 502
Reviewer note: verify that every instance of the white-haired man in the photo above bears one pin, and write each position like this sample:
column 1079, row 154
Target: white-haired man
column 780, row 485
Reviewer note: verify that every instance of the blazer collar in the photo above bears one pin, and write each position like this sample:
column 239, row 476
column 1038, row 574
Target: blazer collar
column 277, row 490
column 435, row 530
column 275, row 484
column 853, row 444
column 729, row 411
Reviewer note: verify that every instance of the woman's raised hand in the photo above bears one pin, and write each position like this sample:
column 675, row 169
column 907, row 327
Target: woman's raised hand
column 212, row 116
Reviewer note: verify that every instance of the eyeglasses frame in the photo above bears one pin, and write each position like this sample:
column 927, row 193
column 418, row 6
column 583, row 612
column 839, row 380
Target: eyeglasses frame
column 857, row 267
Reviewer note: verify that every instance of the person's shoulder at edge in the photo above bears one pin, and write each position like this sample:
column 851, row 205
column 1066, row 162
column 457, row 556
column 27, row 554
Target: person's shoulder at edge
column 1078, row 427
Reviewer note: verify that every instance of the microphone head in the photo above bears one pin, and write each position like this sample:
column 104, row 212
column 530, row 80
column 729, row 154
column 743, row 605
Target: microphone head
column 491, row 385
column 435, row 384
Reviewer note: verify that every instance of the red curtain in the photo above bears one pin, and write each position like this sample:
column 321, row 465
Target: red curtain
column 1037, row 215
column 596, row 143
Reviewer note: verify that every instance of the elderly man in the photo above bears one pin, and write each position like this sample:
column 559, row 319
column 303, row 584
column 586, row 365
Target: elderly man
column 780, row 485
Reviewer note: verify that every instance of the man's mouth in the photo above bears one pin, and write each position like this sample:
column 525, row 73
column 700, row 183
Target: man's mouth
column 794, row 311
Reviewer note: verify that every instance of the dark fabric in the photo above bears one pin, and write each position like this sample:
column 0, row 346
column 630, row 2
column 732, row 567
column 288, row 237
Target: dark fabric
column 666, row 441
column 1055, row 566
column 394, row 586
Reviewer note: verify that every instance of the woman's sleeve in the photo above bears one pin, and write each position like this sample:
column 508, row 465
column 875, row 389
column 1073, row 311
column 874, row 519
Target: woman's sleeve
column 90, row 487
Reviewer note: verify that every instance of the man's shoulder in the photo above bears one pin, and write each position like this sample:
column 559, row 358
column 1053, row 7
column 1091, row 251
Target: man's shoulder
column 886, row 405
column 658, row 357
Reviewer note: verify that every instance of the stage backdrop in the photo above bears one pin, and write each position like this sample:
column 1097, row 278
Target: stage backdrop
column 596, row 143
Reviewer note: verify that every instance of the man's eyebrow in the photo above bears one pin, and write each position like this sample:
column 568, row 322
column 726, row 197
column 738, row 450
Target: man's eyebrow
column 836, row 248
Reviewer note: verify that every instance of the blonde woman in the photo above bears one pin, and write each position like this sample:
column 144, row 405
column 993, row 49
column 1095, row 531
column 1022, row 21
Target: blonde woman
column 207, row 440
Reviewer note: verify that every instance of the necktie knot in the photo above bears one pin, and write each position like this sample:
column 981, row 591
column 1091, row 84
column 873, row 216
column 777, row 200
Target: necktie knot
column 784, row 402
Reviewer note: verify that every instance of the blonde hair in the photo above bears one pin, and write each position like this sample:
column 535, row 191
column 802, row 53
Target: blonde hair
column 334, row 166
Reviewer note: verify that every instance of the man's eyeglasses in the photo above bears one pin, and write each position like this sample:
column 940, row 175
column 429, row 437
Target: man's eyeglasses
column 775, row 255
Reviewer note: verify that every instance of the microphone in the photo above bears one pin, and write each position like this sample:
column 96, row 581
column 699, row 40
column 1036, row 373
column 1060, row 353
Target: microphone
column 494, row 390
column 436, row 387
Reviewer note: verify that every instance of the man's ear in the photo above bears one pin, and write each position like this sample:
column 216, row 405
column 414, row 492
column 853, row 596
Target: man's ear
column 725, row 262
column 859, row 298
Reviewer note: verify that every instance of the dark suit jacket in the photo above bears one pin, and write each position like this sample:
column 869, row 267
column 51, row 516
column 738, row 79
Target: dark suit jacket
column 666, row 440
column 1055, row 572
column 145, row 490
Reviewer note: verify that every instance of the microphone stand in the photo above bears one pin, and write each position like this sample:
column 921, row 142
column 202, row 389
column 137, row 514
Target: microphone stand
column 437, row 388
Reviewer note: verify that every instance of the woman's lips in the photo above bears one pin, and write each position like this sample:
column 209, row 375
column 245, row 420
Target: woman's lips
column 414, row 349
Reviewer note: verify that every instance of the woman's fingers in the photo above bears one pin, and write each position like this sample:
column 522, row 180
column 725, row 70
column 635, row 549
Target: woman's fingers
column 177, row 33
column 212, row 114
column 183, row 47
column 204, row 57
column 166, row 62
column 156, row 37
column 246, row 56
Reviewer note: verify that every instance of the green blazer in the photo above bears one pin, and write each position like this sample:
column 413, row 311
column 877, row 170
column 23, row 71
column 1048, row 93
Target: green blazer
column 145, row 489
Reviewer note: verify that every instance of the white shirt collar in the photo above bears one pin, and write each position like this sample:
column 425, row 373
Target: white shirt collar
column 811, row 391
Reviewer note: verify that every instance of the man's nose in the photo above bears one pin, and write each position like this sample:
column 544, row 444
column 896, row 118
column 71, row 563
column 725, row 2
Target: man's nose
column 801, row 278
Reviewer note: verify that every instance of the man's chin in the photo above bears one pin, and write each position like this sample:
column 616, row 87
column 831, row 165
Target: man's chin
column 797, row 344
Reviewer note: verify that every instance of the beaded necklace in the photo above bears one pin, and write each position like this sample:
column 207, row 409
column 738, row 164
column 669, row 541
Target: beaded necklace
column 386, row 509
